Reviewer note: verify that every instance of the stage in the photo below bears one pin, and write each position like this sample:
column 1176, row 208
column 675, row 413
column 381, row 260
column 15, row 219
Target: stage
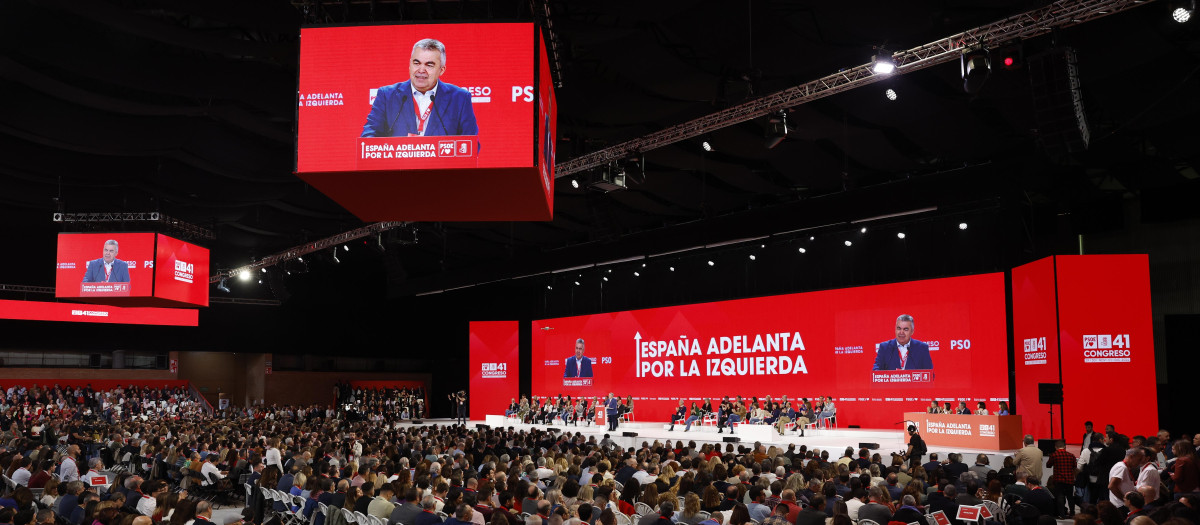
column 835, row 440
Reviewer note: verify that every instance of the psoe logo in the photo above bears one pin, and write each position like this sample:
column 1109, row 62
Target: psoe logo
column 987, row 430
column 494, row 370
column 1089, row 342
column 184, row 271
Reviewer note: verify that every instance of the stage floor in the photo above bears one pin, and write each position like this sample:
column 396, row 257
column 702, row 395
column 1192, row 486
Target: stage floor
column 833, row 440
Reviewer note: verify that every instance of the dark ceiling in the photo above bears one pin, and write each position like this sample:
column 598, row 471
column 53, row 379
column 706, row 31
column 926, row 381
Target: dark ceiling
column 186, row 107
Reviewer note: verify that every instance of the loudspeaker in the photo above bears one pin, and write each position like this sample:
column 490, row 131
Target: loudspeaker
column 1058, row 102
column 1050, row 393
column 1047, row 446
column 482, row 426
column 869, row 446
column 416, row 421
column 552, row 429
column 629, row 434
column 731, row 439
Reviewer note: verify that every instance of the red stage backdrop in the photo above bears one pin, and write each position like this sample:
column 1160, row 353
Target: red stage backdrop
column 1035, row 343
column 802, row 345
column 495, row 363
column 1107, row 339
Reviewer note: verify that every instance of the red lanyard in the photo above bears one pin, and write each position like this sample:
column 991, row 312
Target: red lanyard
column 422, row 119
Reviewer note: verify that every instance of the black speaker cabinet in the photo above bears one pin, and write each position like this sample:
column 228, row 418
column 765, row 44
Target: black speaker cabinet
column 1050, row 393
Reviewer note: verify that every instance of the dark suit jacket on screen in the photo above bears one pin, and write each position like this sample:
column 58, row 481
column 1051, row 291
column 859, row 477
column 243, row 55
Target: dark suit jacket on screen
column 585, row 370
column 95, row 272
column 888, row 357
column 392, row 114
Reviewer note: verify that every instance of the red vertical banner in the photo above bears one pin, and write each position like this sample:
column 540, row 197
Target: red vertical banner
column 1035, row 342
column 495, row 365
column 1107, row 343
column 174, row 366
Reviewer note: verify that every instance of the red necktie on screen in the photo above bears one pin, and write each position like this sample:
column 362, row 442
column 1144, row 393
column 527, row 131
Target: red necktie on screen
column 107, row 273
column 578, row 368
column 422, row 119
column 903, row 359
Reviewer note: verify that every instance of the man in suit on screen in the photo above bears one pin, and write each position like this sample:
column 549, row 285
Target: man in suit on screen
column 107, row 269
column 422, row 105
column 903, row 352
column 578, row 365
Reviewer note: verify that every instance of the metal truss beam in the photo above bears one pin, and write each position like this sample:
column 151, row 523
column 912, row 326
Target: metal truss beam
column 20, row 288
column 1063, row 13
column 171, row 223
column 305, row 249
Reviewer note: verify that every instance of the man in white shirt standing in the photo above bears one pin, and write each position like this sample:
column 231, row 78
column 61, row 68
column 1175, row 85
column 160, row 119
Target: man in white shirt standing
column 69, row 471
column 1123, row 476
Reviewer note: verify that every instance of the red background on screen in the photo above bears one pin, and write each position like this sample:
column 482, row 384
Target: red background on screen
column 834, row 325
column 1107, row 295
column 1034, row 311
column 96, row 313
column 353, row 60
column 493, row 343
column 167, row 286
column 137, row 249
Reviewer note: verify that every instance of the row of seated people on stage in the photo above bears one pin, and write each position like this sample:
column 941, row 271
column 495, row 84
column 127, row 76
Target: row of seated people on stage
column 408, row 473
column 780, row 414
column 962, row 409
column 571, row 411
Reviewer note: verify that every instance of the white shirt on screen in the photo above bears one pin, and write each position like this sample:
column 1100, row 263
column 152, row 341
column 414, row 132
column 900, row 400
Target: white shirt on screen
column 423, row 101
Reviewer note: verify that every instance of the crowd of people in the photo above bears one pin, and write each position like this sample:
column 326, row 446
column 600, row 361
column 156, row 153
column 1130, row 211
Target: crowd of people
column 381, row 403
column 429, row 474
column 35, row 405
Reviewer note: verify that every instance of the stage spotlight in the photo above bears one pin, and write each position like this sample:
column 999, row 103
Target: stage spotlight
column 706, row 146
column 710, row 263
column 777, row 128
column 576, row 283
column 610, row 270
column 864, row 230
column 882, row 63
column 811, row 238
column 975, row 66
column 264, row 270
column 635, row 274
column 962, row 225
column 548, row 287
column 752, row 257
column 802, row 250
column 848, row 243
column 890, row 94
column 345, row 248
column 575, row 183
column 1182, row 11
column 222, row 287
column 643, row 265
column 289, row 272
column 260, row 281
column 900, row 235
column 605, row 279
column 672, row 268
column 301, row 259
column 245, row 275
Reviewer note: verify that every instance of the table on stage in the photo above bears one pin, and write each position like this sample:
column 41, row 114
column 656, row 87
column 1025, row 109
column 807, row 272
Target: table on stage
column 973, row 432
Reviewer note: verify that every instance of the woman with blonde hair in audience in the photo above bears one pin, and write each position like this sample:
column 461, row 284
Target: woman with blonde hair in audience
column 50, row 494
column 585, row 495
column 690, row 513
column 795, row 483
